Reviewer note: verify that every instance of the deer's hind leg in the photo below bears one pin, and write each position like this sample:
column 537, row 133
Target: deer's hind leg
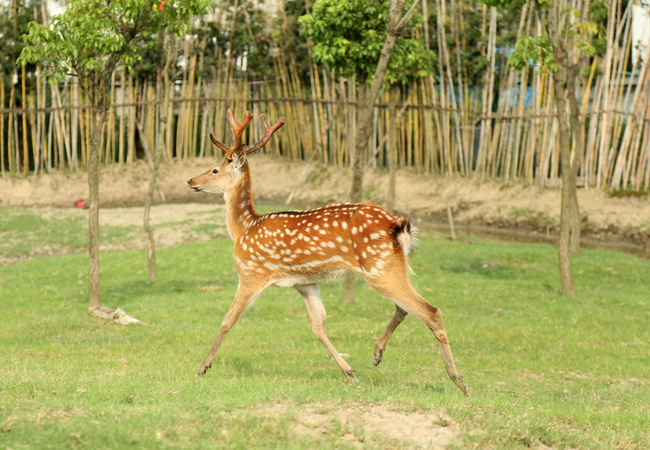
column 380, row 346
column 317, row 316
column 399, row 291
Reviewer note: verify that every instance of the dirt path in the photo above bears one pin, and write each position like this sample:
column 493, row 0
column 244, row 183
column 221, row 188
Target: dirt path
column 423, row 198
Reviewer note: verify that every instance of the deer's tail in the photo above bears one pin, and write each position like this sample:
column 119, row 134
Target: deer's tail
column 406, row 234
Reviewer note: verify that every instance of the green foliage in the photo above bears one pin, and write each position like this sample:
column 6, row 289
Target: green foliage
column 472, row 34
column 288, row 39
column 251, row 38
column 12, row 27
column 349, row 36
column 545, row 371
column 92, row 36
column 538, row 50
column 535, row 50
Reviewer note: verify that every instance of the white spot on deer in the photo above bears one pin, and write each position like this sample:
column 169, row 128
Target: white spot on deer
column 298, row 251
column 363, row 254
column 344, row 248
column 307, row 252
column 335, row 224
column 286, row 259
column 354, row 230
column 344, row 225
column 245, row 247
column 330, row 244
column 365, row 239
column 315, row 227
column 322, row 231
column 374, row 236
column 339, row 239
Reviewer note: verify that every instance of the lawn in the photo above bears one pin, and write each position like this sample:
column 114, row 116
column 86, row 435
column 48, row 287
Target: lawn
column 544, row 369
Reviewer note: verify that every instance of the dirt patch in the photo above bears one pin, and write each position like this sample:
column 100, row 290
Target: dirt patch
column 422, row 197
column 369, row 425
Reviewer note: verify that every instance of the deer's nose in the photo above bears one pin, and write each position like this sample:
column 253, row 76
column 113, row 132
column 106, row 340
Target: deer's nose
column 189, row 181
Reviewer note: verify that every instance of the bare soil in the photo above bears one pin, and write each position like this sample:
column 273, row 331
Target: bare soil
column 369, row 425
column 532, row 210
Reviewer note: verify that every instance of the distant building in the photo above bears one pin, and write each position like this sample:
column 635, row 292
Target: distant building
column 640, row 31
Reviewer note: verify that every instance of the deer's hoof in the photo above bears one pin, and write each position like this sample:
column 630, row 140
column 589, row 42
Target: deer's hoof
column 462, row 385
column 379, row 358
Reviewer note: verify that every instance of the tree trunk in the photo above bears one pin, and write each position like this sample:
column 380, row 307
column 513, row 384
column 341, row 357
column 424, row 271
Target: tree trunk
column 568, row 183
column 578, row 139
column 394, row 28
column 360, row 147
column 392, row 147
column 93, row 217
column 356, row 194
column 566, row 276
column 158, row 152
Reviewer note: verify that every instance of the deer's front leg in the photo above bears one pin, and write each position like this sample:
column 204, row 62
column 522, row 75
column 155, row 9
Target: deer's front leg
column 245, row 295
column 317, row 316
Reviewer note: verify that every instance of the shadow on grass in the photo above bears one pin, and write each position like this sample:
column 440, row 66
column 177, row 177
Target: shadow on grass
column 486, row 270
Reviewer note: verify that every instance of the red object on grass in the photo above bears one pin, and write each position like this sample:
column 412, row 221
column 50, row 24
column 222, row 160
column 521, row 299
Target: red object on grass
column 81, row 203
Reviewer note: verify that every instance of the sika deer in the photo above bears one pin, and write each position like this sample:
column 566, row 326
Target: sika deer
column 300, row 248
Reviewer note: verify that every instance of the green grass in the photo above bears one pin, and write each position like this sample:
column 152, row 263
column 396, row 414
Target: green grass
column 34, row 232
column 543, row 368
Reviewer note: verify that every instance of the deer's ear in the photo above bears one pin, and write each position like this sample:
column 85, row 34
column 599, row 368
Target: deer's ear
column 238, row 158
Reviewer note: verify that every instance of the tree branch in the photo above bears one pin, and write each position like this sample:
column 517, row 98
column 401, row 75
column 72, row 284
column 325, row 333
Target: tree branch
column 402, row 23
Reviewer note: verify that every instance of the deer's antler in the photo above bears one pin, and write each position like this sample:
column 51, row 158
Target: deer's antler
column 238, row 130
column 268, row 132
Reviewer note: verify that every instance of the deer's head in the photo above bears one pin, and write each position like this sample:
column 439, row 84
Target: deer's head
column 218, row 178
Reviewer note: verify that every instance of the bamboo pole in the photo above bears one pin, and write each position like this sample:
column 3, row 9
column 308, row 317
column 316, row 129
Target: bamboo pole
column 2, row 123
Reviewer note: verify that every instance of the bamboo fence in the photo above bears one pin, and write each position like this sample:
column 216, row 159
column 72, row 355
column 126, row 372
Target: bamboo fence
column 499, row 130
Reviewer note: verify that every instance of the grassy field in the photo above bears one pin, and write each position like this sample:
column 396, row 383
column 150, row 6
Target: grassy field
column 545, row 370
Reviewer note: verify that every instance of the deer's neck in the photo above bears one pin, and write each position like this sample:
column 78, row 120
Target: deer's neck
column 240, row 212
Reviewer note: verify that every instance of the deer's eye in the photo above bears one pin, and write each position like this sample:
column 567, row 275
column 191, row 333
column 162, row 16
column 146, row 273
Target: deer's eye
column 215, row 171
